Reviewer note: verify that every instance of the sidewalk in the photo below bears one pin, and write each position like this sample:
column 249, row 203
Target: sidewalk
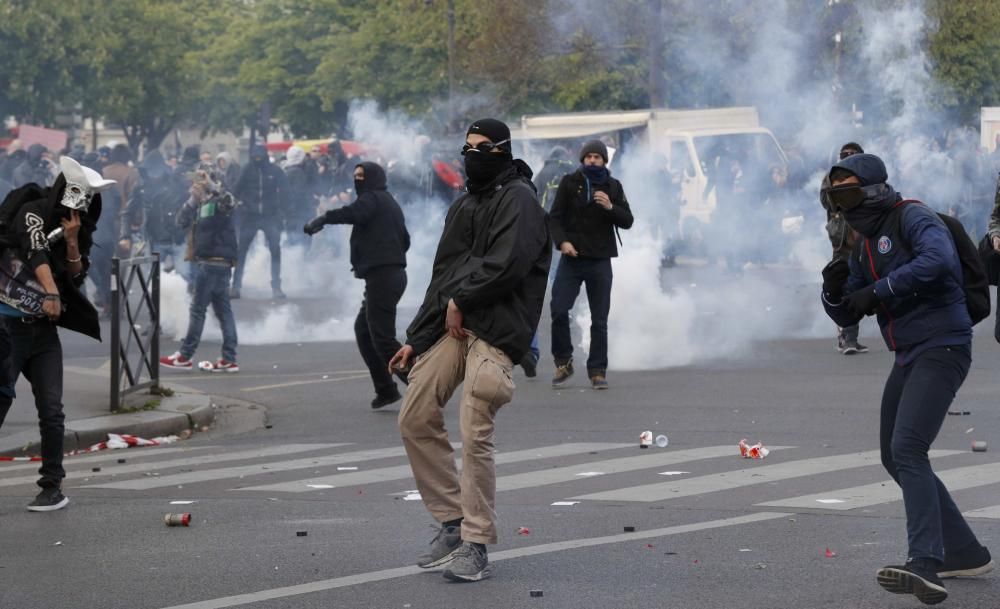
column 86, row 402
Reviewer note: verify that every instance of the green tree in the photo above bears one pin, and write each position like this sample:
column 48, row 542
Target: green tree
column 965, row 50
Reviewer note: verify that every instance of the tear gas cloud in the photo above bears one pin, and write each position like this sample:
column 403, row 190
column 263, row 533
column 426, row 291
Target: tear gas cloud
column 752, row 276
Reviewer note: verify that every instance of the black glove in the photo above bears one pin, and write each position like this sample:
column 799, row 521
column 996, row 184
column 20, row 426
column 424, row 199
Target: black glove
column 835, row 276
column 314, row 226
column 862, row 302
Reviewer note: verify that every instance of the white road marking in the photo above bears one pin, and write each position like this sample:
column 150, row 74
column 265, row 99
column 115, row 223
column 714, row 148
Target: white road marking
column 538, row 550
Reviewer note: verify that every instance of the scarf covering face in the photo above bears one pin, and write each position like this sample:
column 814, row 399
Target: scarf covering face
column 483, row 168
column 596, row 174
column 868, row 217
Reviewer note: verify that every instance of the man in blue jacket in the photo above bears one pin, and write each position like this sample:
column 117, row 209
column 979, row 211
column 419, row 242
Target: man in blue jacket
column 906, row 270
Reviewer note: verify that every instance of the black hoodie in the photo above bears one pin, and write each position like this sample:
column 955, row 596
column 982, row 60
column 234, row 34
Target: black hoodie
column 40, row 213
column 379, row 237
column 493, row 260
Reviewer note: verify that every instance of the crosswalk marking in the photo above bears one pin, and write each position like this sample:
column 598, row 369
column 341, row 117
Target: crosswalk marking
column 987, row 512
column 148, row 466
column 612, row 466
column 253, row 470
column 888, row 491
column 404, row 472
column 745, row 477
column 107, row 455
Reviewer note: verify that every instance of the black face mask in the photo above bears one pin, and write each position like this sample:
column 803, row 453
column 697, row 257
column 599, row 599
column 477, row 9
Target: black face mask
column 484, row 167
column 359, row 186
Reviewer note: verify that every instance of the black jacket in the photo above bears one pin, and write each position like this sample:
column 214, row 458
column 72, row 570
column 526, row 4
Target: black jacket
column 578, row 219
column 493, row 260
column 39, row 214
column 262, row 189
column 160, row 195
column 299, row 200
column 379, row 237
column 214, row 227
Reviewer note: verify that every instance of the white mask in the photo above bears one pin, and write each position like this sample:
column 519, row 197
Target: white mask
column 81, row 184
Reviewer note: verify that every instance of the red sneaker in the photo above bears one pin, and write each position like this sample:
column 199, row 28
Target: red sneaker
column 176, row 361
column 226, row 366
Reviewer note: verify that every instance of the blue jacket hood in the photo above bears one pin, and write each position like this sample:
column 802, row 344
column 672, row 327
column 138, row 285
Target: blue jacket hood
column 869, row 168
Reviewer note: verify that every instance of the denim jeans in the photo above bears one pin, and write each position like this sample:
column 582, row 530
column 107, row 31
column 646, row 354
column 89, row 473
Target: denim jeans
column 35, row 352
column 596, row 274
column 211, row 288
column 914, row 405
column 375, row 326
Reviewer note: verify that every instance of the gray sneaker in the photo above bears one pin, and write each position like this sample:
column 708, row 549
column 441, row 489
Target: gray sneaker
column 470, row 564
column 444, row 547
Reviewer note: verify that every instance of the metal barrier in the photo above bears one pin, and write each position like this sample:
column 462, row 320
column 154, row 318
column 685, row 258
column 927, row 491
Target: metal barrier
column 135, row 353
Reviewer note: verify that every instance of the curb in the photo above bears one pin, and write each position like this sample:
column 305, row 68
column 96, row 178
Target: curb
column 175, row 414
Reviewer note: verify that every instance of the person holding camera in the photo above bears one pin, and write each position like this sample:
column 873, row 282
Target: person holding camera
column 210, row 210
column 589, row 207
column 36, row 168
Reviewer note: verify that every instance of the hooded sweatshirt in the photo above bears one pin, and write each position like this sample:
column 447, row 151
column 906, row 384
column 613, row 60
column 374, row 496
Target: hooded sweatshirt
column 907, row 255
column 379, row 237
column 262, row 187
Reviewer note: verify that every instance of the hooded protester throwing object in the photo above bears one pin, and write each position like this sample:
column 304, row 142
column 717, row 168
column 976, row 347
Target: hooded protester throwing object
column 40, row 285
column 907, row 270
column 379, row 242
column 478, row 316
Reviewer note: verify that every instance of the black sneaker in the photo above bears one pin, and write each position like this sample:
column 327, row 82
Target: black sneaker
column 49, row 500
column 444, row 547
column 389, row 397
column 530, row 365
column 563, row 372
column 968, row 563
column 469, row 564
column 277, row 294
column 916, row 577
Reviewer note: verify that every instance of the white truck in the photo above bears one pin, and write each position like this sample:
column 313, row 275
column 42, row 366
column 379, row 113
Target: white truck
column 697, row 144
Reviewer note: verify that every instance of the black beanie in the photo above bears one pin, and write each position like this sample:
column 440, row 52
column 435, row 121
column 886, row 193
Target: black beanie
column 594, row 146
column 497, row 131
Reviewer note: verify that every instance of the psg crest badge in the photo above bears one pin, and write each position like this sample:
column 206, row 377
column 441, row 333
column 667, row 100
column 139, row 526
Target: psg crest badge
column 884, row 245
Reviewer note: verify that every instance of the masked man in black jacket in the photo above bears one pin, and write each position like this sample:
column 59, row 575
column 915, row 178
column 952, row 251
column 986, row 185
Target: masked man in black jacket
column 379, row 242
column 590, row 207
column 262, row 191
column 40, row 286
column 477, row 318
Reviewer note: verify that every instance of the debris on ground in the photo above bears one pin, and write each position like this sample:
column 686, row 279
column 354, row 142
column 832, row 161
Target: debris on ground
column 177, row 520
column 830, row 553
column 524, row 531
column 755, row 451
column 978, row 446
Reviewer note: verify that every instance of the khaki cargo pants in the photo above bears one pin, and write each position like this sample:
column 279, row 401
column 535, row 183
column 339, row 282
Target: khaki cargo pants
column 486, row 374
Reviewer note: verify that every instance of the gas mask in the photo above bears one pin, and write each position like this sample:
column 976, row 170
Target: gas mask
column 81, row 184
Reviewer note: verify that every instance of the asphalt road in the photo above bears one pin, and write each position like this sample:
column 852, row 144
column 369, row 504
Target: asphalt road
column 711, row 530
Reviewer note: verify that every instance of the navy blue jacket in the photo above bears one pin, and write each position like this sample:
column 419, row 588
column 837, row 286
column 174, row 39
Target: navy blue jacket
column 917, row 277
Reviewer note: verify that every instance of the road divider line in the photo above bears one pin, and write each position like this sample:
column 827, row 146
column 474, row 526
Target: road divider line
column 537, row 550
column 308, row 382
column 987, row 512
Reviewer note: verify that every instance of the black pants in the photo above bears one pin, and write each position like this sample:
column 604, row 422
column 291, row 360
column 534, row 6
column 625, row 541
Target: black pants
column 100, row 271
column 271, row 227
column 914, row 405
column 37, row 354
column 596, row 274
column 375, row 326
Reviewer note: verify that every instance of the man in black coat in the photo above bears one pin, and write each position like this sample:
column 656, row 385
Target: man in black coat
column 36, row 169
column 478, row 316
column 589, row 208
column 379, row 242
column 261, row 190
column 40, row 286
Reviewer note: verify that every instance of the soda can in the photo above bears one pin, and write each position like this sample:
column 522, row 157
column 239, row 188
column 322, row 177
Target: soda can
column 177, row 520
column 979, row 446
column 645, row 439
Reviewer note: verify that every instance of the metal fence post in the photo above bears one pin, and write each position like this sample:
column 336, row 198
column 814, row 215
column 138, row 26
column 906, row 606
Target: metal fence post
column 154, row 341
column 115, row 334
